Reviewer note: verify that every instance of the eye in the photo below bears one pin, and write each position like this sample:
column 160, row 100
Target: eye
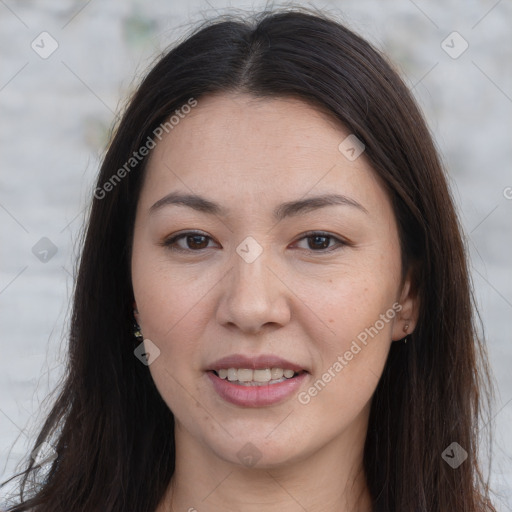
column 194, row 241
column 319, row 241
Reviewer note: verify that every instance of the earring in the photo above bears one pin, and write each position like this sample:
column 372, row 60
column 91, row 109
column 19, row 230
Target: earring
column 406, row 328
column 137, row 332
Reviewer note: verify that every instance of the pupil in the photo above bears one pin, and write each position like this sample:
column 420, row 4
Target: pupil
column 195, row 242
column 325, row 239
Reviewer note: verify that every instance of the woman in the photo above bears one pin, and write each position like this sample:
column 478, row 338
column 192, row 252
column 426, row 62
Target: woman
column 272, row 309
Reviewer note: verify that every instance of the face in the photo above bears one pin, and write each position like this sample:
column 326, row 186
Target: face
column 266, row 271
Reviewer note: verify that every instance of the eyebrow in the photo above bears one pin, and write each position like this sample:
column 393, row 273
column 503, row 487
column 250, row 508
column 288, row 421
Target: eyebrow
column 288, row 209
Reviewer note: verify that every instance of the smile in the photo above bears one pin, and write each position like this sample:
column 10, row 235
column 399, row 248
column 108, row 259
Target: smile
column 253, row 393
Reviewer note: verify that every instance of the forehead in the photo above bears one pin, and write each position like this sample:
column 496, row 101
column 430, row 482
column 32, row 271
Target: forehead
column 236, row 145
column 236, row 126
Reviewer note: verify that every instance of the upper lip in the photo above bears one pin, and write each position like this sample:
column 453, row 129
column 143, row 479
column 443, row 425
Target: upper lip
column 254, row 362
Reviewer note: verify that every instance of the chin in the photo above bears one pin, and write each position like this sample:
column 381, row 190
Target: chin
column 258, row 452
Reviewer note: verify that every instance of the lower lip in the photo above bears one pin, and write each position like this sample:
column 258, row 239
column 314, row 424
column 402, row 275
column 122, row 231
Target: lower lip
column 256, row 396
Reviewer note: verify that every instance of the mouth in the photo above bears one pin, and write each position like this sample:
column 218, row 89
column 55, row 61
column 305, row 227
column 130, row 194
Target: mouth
column 256, row 381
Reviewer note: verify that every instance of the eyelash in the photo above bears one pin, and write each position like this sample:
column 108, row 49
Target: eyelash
column 169, row 243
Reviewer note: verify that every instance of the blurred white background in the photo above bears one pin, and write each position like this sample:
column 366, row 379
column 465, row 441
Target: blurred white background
column 57, row 110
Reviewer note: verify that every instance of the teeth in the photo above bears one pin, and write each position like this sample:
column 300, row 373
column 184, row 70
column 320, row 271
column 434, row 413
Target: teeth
column 245, row 375
column 276, row 373
column 263, row 375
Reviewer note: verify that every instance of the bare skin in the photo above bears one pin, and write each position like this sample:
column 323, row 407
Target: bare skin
column 304, row 298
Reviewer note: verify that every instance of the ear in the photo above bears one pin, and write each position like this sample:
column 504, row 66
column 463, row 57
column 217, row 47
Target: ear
column 407, row 317
column 135, row 310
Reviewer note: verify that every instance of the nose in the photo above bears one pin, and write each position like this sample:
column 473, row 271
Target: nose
column 254, row 297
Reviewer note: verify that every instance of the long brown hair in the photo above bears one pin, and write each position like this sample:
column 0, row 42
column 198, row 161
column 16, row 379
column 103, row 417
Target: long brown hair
column 110, row 427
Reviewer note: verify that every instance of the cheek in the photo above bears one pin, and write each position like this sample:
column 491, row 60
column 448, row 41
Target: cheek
column 174, row 311
column 353, row 299
column 351, row 358
column 359, row 308
column 172, row 302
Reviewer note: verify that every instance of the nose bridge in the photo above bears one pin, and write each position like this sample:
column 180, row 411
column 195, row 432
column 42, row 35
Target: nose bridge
column 253, row 295
column 251, row 272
